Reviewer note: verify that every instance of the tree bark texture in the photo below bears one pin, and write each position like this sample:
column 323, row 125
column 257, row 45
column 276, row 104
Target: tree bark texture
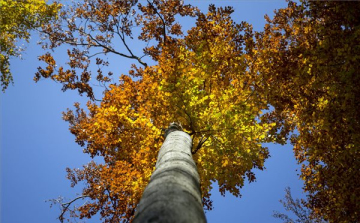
column 173, row 194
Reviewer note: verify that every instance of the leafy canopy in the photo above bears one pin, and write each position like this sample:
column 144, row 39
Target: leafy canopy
column 312, row 51
column 17, row 20
column 200, row 80
column 216, row 80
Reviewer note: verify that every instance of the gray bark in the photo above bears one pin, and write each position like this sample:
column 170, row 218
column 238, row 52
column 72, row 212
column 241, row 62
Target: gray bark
column 173, row 194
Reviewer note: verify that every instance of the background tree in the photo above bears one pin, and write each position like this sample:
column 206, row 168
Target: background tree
column 298, row 207
column 17, row 20
column 311, row 50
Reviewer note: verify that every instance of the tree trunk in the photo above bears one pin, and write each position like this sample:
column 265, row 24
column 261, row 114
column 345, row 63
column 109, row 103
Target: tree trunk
column 173, row 193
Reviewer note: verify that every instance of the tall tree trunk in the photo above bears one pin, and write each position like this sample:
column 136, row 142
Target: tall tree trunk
column 173, row 193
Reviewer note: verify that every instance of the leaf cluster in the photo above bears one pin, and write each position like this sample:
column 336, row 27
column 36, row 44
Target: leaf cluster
column 17, row 20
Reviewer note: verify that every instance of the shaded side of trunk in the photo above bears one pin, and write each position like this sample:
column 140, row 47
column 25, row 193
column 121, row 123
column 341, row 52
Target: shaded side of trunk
column 173, row 193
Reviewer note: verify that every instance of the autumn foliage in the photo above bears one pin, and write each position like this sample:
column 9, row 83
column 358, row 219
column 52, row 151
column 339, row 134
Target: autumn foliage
column 231, row 88
column 200, row 81
column 312, row 51
column 17, row 20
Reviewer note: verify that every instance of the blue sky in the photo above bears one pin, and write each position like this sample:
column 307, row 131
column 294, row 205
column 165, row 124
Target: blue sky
column 36, row 145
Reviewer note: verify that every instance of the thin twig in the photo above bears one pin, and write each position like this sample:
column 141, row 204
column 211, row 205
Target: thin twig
column 66, row 205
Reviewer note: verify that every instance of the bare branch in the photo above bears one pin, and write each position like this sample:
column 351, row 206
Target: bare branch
column 65, row 206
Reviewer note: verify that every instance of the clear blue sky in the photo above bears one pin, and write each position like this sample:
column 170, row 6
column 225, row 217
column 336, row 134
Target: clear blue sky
column 36, row 146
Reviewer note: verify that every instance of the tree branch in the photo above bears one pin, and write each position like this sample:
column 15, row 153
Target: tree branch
column 162, row 20
column 122, row 37
column 201, row 142
column 65, row 206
